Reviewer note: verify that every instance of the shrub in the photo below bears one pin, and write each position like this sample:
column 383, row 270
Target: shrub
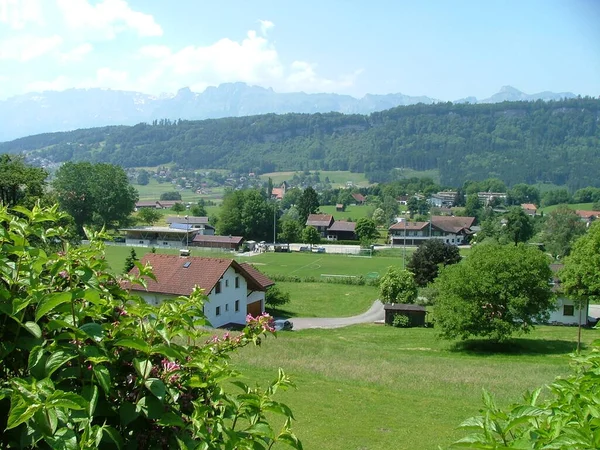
column 401, row 321
column 85, row 364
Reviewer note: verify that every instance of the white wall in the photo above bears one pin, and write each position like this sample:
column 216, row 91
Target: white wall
column 559, row 317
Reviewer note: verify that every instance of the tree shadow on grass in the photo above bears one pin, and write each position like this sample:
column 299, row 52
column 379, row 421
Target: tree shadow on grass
column 279, row 313
column 516, row 347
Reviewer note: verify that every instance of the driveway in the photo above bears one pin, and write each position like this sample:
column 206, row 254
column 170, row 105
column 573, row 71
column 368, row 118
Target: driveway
column 374, row 313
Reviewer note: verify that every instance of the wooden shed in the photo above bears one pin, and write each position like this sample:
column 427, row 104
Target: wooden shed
column 415, row 313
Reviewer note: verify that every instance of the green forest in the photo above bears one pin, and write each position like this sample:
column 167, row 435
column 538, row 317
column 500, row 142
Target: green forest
column 518, row 142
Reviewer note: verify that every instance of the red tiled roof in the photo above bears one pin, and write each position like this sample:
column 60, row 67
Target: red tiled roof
column 409, row 226
column 277, row 193
column 219, row 239
column 530, row 206
column 261, row 278
column 319, row 220
column 587, row 214
column 173, row 278
column 342, row 225
column 358, row 197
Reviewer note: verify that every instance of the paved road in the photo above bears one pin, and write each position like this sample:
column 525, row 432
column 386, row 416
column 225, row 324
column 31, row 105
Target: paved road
column 374, row 313
column 594, row 311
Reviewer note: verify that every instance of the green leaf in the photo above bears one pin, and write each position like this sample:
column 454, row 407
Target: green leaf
column 168, row 351
column 60, row 399
column 151, row 407
column 143, row 367
column 134, row 343
column 20, row 413
column 93, row 296
column 51, row 302
column 93, row 330
column 290, row 439
column 90, row 394
column 56, row 360
column 171, row 420
column 127, row 413
column 261, row 429
column 33, row 328
column 114, row 436
column 36, row 363
column 157, row 387
column 103, row 376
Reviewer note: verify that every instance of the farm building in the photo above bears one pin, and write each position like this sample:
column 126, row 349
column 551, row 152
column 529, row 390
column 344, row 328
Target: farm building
column 217, row 242
column 450, row 229
column 565, row 312
column 415, row 313
column 233, row 290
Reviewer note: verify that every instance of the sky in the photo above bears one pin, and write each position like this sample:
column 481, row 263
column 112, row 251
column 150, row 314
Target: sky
column 445, row 49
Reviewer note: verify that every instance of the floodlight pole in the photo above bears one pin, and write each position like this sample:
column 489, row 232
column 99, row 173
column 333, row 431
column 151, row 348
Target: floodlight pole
column 274, row 223
column 404, row 247
column 187, row 228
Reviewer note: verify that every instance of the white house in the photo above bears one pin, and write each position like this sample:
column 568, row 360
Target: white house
column 233, row 290
column 565, row 312
column 450, row 229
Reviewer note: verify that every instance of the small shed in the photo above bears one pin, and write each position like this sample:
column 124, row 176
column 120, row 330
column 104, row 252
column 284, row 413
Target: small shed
column 415, row 313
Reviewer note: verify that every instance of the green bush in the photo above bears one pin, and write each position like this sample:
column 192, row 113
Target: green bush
column 86, row 365
column 401, row 321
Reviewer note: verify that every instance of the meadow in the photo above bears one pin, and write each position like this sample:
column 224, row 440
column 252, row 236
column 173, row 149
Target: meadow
column 338, row 178
column 377, row 387
column 574, row 206
column 154, row 189
column 352, row 212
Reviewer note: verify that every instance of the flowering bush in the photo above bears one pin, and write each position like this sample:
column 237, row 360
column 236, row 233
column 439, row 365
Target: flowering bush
column 84, row 364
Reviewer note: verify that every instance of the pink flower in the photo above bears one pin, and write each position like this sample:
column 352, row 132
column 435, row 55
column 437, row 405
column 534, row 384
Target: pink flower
column 170, row 366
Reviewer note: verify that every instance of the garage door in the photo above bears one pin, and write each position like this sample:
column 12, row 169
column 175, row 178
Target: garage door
column 255, row 308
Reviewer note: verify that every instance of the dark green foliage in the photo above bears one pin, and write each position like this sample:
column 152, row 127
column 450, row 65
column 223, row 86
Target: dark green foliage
column 427, row 259
column 560, row 230
column 366, row 230
column 130, row 261
column 519, row 142
column 149, row 215
column 401, row 321
column 557, row 197
column 178, row 208
column 519, row 226
column 247, row 213
column 95, row 194
column 523, row 193
column 397, row 286
column 142, row 179
column 308, row 203
column 496, row 291
column 291, row 231
column 310, row 235
column 275, row 297
column 171, row 195
column 20, row 183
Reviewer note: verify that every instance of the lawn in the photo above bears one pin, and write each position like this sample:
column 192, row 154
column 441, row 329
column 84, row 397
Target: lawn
column 376, row 387
column 338, row 178
column 153, row 189
column 325, row 299
column 575, row 206
column 352, row 212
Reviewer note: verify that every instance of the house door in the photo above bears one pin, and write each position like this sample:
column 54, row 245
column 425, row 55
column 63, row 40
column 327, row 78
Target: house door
column 255, row 309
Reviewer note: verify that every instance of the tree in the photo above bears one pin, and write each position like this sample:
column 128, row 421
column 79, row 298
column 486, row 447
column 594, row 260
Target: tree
column 472, row 206
column 519, row 226
column 310, row 235
column 579, row 277
column 230, row 214
column 257, row 216
column 275, row 297
column 379, row 217
column 95, row 194
column 20, row 183
column 308, row 203
column 199, row 210
column 130, row 261
column 427, row 259
column 97, row 367
column 459, row 197
column 142, row 178
column 291, row 231
column 178, row 207
column 523, row 193
column 171, row 195
column 149, row 215
column 495, row 292
column 366, row 230
column 398, row 286
column 412, row 205
column 561, row 228
column 291, row 197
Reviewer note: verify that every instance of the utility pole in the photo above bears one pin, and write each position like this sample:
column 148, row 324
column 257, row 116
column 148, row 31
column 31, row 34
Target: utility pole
column 404, row 246
column 187, row 228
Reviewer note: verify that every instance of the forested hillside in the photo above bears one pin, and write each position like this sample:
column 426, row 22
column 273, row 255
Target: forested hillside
column 556, row 142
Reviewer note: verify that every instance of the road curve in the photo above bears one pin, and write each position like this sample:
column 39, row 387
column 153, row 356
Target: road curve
column 374, row 313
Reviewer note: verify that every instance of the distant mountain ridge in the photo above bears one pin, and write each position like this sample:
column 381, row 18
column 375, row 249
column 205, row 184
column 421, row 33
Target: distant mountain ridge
column 52, row 111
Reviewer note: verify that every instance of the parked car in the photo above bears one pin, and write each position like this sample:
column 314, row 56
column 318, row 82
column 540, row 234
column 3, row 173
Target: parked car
column 283, row 325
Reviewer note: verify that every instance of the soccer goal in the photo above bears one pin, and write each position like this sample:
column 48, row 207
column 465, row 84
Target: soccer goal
column 362, row 253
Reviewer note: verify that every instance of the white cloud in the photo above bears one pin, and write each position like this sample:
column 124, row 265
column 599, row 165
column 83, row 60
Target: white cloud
column 58, row 84
column 107, row 18
column 265, row 25
column 18, row 13
column 253, row 60
column 26, row 47
column 77, row 53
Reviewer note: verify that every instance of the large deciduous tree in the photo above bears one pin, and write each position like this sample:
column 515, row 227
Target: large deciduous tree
column 580, row 280
column 562, row 227
column 519, row 226
column 95, row 194
column 247, row 213
column 310, row 235
column 20, row 183
column 149, row 215
column 308, row 203
column 366, row 230
column 496, row 291
column 398, row 286
column 428, row 258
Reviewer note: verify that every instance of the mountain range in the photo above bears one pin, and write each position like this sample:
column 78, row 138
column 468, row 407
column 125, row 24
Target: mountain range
column 52, row 111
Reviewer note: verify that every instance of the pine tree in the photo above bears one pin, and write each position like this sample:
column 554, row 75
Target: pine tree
column 129, row 261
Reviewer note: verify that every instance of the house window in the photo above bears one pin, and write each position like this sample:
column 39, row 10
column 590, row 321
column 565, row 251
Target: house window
column 568, row 310
column 140, row 242
column 218, row 288
column 218, row 311
column 165, row 243
column 237, row 282
column 226, row 283
column 237, row 305
column 226, row 306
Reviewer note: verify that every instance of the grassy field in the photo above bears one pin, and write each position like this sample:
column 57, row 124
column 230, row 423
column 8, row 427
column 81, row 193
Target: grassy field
column 434, row 174
column 153, row 189
column 575, row 206
column 376, row 387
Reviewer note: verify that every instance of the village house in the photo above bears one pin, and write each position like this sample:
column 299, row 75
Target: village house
column 278, row 193
column 359, row 199
column 450, row 229
column 566, row 312
column 196, row 223
column 443, row 199
column 321, row 222
column 331, row 229
column 529, row 208
column 588, row 216
column 233, row 290
column 232, row 243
